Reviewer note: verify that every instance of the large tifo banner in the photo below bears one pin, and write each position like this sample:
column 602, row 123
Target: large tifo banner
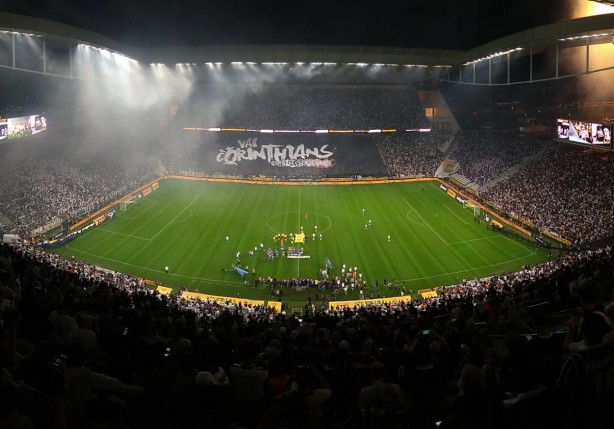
column 278, row 155
column 288, row 154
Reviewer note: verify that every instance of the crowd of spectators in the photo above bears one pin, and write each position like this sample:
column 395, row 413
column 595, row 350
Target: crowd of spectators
column 37, row 190
column 314, row 107
column 88, row 348
column 566, row 192
column 411, row 154
column 309, row 107
column 485, row 156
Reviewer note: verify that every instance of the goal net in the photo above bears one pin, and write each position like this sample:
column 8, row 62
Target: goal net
column 124, row 204
column 477, row 211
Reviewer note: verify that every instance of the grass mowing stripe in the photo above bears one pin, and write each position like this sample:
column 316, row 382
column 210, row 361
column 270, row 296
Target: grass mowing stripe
column 298, row 261
column 192, row 241
column 455, row 215
column 132, row 266
column 172, row 220
column 387, row 222
column 452, row 243
column 121, row 233
column 139, row 213
column 423, row 221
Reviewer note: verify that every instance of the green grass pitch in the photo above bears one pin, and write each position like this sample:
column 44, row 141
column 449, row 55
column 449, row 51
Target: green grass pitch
column 434, row 241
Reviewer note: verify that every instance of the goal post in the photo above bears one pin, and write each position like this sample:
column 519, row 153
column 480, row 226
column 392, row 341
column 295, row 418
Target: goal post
column 126, row 203
column 477, row 211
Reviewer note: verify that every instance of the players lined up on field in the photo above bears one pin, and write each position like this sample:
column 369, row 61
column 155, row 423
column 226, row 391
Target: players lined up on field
column 336, row 286
column 275, row 253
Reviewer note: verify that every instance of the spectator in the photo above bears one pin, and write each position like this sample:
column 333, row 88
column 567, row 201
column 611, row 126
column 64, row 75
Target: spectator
column 83, row 386
column 585, row 374
column 475, row 404
column 486, row 156
column 381, row 394
column 248, row 381
column 574, row 205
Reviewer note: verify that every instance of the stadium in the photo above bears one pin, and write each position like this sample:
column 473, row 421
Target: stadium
column 292, row 235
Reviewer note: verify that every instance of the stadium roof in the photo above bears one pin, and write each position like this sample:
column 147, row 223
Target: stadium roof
column 597, row 29
column 432, row 24
column 425, row 24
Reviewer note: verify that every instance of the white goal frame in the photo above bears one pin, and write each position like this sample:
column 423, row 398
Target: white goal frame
column 124, row 204
column 477, row 211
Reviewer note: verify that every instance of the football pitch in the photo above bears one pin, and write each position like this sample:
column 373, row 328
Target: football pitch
column 412, row 233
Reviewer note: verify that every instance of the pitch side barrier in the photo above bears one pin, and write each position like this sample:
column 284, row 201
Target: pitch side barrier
column 321, row 182
column 163, row 290
column 145, row 189
column 556, row 237
column 244, row 302
column 492, row 213
column 340, row 305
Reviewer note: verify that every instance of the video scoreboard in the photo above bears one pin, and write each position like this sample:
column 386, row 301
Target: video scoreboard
column 22, row 126
column 588, row 133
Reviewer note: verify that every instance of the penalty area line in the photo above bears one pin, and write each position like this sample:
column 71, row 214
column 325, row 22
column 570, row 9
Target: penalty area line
column 121, row 233
column 173, row 219
column 425, row 222
column 455, row 215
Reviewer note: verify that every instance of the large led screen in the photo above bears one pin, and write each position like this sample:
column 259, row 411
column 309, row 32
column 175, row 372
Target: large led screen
column 26, row 126
column 588, row 133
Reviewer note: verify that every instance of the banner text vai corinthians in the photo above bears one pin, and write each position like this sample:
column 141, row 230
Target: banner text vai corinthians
column 277, row 155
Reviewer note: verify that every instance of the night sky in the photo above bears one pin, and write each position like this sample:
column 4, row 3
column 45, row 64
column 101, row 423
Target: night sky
column 449, row 24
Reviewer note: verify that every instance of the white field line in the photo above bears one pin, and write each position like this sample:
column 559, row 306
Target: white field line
column 153, row 271
column 477, row 239
column 455, row 215
column 121, row 233
column 298, row 260
column 469, row 269
column 141, row 212
column 173, row 219
column 425, row 223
